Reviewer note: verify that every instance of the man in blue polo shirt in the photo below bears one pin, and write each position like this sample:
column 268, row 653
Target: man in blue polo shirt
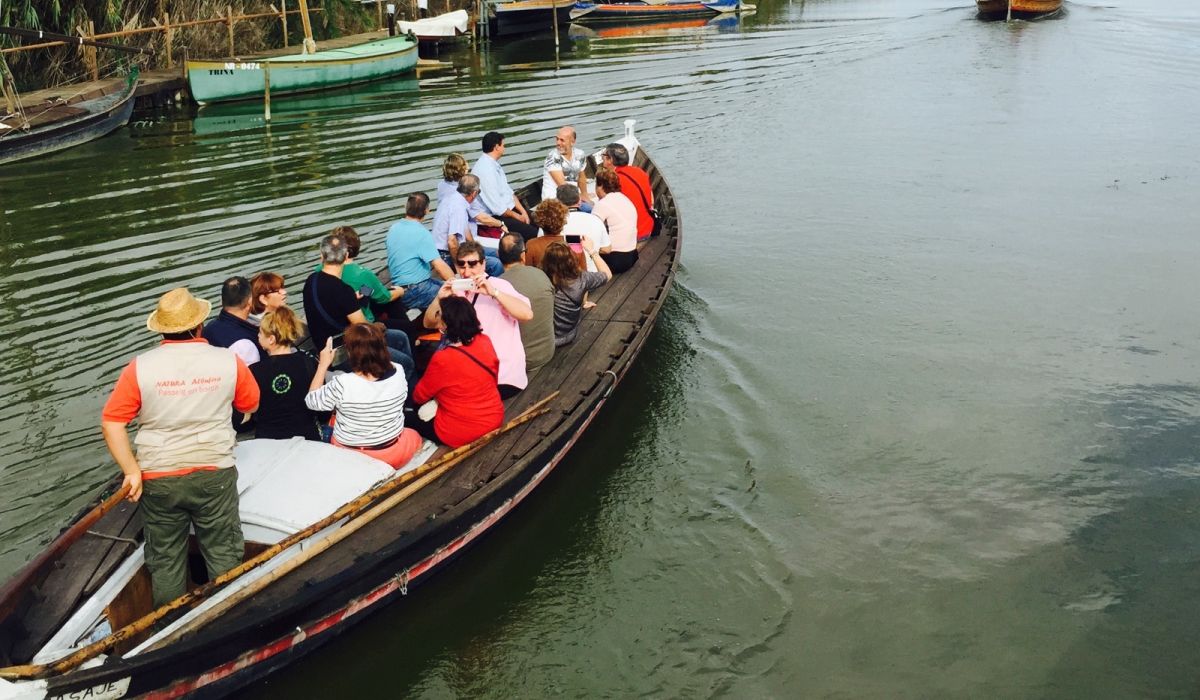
column 495, row 192
column 412, row 258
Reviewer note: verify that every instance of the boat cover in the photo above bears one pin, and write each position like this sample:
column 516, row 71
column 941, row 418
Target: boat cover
column 448, row 25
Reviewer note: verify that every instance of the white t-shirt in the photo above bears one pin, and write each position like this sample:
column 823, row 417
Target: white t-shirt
column 569, row 167
column 368, row 413
column 583, row 224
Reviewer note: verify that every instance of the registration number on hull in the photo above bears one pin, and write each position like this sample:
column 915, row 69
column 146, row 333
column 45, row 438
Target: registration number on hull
column 231, row 67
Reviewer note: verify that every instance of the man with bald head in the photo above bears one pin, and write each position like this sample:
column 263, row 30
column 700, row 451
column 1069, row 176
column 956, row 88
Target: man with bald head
column 565, row 164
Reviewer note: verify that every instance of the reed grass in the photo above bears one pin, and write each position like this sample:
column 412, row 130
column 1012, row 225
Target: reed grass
column 49, row 67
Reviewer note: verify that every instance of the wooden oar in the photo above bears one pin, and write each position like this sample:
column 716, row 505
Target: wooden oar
column 11, row 593
column 349, row 510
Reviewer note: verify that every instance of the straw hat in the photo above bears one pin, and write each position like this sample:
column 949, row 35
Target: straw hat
column 178, row 311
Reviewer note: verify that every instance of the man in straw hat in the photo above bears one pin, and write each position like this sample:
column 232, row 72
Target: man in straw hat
column 183, row 393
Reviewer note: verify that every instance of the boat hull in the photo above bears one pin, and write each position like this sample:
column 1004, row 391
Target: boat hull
column 224, row 81
column 1024, row 9
column 639, row 12
column 528, row 17
column 103, row 120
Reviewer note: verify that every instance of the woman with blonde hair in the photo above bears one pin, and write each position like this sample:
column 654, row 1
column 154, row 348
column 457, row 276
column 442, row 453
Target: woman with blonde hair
column 283, row 375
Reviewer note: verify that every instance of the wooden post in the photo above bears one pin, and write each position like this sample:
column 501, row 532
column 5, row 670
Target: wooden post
column 554, row 25
column 229, row 22
column 170, row 36
column 89, row 53
column 310, row 46
column 267, row 91
column 379, row 12
column 283, row 19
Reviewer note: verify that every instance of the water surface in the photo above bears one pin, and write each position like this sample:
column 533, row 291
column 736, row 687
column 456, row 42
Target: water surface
column 920, row 418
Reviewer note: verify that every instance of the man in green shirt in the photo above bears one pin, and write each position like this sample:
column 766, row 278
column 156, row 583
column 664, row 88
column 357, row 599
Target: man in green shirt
column 360, row 278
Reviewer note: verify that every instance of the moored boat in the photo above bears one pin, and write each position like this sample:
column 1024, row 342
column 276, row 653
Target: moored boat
column 332, row 535
column 518, row 17
column 645, row 11
column 445, row 27
column 220, row 81
column 1022, row 9
column 52, row 126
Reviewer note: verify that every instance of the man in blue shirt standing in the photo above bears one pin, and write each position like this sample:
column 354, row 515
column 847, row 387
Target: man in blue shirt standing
column 412, row 258
column 498, row 197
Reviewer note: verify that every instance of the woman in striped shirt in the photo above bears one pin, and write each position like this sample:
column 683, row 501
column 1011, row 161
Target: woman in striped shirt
column 369, row 400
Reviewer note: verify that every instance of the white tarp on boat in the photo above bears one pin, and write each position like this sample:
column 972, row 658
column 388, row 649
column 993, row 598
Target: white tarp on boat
column 445, row 26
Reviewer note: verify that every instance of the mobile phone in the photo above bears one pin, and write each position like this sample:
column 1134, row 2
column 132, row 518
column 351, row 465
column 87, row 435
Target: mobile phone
column 365, row 290
column 573, row 238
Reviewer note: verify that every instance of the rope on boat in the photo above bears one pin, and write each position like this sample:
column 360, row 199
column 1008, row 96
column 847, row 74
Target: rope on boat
column 609, row 390
column 114, row 538
column 107, row 71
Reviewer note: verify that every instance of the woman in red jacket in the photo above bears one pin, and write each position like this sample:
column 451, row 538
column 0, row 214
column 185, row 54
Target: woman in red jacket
column 461, row 377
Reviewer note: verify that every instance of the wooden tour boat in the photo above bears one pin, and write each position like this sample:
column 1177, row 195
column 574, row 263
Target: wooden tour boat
column 1021, row 9
column 641, row 11
column 331, row 534
column 226, row 80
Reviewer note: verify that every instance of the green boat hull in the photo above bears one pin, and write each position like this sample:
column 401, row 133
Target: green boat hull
column 224, row 81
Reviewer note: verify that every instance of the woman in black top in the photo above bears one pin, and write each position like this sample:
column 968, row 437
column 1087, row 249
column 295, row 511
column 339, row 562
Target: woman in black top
column 283, row 375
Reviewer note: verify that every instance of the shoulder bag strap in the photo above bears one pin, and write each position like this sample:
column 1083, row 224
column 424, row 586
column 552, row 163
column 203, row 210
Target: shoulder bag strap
column 645, row 202
column 473, row 359
column 312, row 281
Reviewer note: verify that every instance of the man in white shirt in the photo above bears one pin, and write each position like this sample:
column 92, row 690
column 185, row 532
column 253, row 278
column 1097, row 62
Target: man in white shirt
column 565, row 164
column 581, row 223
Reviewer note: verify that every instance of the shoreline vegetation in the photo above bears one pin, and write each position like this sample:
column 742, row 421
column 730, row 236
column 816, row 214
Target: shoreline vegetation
column 48, row 67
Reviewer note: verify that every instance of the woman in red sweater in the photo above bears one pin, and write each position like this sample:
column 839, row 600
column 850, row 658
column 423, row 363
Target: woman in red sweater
column 462, row 378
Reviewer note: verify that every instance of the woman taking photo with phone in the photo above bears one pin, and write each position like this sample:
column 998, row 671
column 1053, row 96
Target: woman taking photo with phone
column 369, row 400
column 571, row 285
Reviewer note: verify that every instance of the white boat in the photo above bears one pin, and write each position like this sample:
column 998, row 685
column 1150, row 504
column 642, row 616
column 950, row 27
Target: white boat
column 441, row 28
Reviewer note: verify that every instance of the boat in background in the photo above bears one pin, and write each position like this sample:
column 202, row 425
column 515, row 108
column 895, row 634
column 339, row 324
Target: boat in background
column 436, row 30
column 528, row 16
column 53, row 125
column 223, row 81
column 1021, row 9
column 642, row 11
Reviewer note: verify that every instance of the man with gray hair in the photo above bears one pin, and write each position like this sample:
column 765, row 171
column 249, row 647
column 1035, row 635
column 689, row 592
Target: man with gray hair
column 452, row 224
column 635, row 184
column 330, row 305
column 581, row 223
